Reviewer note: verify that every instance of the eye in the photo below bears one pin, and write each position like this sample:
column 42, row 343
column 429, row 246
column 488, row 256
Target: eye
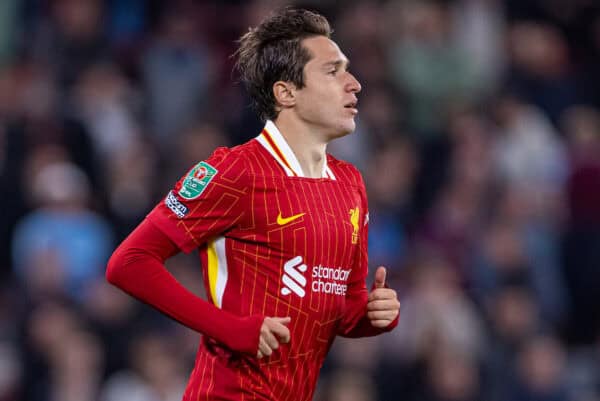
column 333, row 72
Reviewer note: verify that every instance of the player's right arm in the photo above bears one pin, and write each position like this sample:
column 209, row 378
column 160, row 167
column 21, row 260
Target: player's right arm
column 206, row 202
column 137, row 267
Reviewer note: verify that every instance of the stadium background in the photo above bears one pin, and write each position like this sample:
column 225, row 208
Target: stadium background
column 478, row 136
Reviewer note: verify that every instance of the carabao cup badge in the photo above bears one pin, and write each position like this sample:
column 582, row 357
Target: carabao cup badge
column 197, row 180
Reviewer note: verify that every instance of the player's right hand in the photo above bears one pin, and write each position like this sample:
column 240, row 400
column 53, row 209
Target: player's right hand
column 273, row 332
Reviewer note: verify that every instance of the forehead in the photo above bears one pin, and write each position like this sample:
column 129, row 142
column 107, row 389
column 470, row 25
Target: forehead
column 323, row 50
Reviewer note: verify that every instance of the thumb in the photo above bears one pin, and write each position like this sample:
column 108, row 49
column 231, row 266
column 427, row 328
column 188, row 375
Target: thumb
column 380, row 277
column 282, row 320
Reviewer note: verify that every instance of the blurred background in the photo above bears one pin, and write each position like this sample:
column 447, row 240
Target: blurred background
column 478, row 137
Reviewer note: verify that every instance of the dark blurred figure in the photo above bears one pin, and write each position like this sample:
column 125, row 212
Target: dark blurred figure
column 541, row 371
column 155, row 373
column 513, row 318
column 582, row 238
column 390, row 179
column 541, row 68
column 438, row 318
column 177, row 74
column 348, row 385
column 31, row 118
column 63, row 360
column 71, row 39
column 451, row 376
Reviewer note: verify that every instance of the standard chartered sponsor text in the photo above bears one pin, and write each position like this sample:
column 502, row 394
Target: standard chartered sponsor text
column 329, row 280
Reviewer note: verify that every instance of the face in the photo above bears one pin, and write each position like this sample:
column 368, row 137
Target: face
column 327, row 102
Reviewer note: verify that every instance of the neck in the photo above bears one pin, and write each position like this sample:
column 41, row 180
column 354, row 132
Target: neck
column 308, row 147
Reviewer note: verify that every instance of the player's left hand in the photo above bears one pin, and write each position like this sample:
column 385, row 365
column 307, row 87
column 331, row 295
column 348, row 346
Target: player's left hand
column 383, row 306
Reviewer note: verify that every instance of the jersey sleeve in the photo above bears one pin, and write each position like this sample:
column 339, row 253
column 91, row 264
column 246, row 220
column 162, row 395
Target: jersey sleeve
column 137, row 267
column 207, row 201
column 355, row 322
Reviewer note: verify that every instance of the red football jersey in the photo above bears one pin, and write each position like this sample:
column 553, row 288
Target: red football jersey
column 275, row 243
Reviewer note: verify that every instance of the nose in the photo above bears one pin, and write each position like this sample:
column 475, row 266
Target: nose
column 353, row 84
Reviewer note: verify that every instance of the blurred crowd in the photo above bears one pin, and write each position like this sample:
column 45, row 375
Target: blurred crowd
column 478, row 137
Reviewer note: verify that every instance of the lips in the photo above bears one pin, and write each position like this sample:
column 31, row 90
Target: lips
column 352, row 106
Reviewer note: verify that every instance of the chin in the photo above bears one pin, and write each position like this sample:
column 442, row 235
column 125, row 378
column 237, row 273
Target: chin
column 340, row 129
column 348, row 128
column 341, row 133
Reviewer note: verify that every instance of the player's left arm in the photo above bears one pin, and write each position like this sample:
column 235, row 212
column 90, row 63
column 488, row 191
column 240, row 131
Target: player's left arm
column 368, row 313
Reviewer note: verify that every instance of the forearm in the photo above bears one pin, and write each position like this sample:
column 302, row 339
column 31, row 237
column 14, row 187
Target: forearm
column 137, row 267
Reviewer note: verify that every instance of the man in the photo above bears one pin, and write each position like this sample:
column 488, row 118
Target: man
column 281, row 228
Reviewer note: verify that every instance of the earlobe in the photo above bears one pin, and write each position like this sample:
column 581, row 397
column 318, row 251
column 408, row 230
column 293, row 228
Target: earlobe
column 285, row 93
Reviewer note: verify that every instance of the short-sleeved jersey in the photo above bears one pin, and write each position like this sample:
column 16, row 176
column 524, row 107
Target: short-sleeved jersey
column 275, row 243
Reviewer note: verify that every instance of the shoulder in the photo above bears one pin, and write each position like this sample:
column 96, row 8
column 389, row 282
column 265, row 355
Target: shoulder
column 345, row 171
column 228, row 162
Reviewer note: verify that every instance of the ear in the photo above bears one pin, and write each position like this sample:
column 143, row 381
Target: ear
column 285, row 94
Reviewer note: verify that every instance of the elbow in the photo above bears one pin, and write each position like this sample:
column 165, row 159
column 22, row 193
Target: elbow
column 113, row 269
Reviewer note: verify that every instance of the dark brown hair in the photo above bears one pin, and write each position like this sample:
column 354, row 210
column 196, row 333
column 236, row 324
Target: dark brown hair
column 273, row 52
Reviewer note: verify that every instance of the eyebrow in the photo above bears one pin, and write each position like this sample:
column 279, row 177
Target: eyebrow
column 337, row 63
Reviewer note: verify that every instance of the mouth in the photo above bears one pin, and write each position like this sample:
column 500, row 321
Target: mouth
column 352, row 106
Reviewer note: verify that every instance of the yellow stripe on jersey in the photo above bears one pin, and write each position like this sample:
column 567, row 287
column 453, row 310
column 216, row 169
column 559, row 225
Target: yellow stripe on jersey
column 217, row 270
column 213, row 268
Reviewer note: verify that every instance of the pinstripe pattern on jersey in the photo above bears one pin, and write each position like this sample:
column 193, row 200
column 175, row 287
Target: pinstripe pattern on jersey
column 255, row 251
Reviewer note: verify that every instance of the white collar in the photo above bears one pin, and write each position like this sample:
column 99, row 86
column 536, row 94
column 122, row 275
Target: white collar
column 274, row 142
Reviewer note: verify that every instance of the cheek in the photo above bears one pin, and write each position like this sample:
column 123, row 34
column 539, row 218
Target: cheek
column 318, row 103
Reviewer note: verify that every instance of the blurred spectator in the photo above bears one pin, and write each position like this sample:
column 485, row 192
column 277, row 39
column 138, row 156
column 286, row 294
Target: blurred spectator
column 104, row 101
column 479, row 27
column 582, row 238
column 131, row 184
column 177, row 75
column 62, row 239
column 436, row 315
column 11, row 370
column 513, row 252
column 9, row 25
column 115, row 319
column 451, row 376
column 76, row 366
column 514, row 318
column 583, row 373
column 541, row 367
column 156, row 374
column 127, row 21
column 348, row 385
column 359, row 30
column 449, row 229
column 427, row 64
column 389, row 180
column 529, row 153
column 71, row 39
column 541, row 72
column 45, row 328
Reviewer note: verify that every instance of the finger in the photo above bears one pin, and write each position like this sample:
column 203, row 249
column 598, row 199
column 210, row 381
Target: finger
column 380, row 274
column 264, row 348
column 281, row 331
column 259, row 354
column 283, row 320
column 382, row 293
column 381, row 324
column 382, row 315
column 384, row 304
column 271, row 340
